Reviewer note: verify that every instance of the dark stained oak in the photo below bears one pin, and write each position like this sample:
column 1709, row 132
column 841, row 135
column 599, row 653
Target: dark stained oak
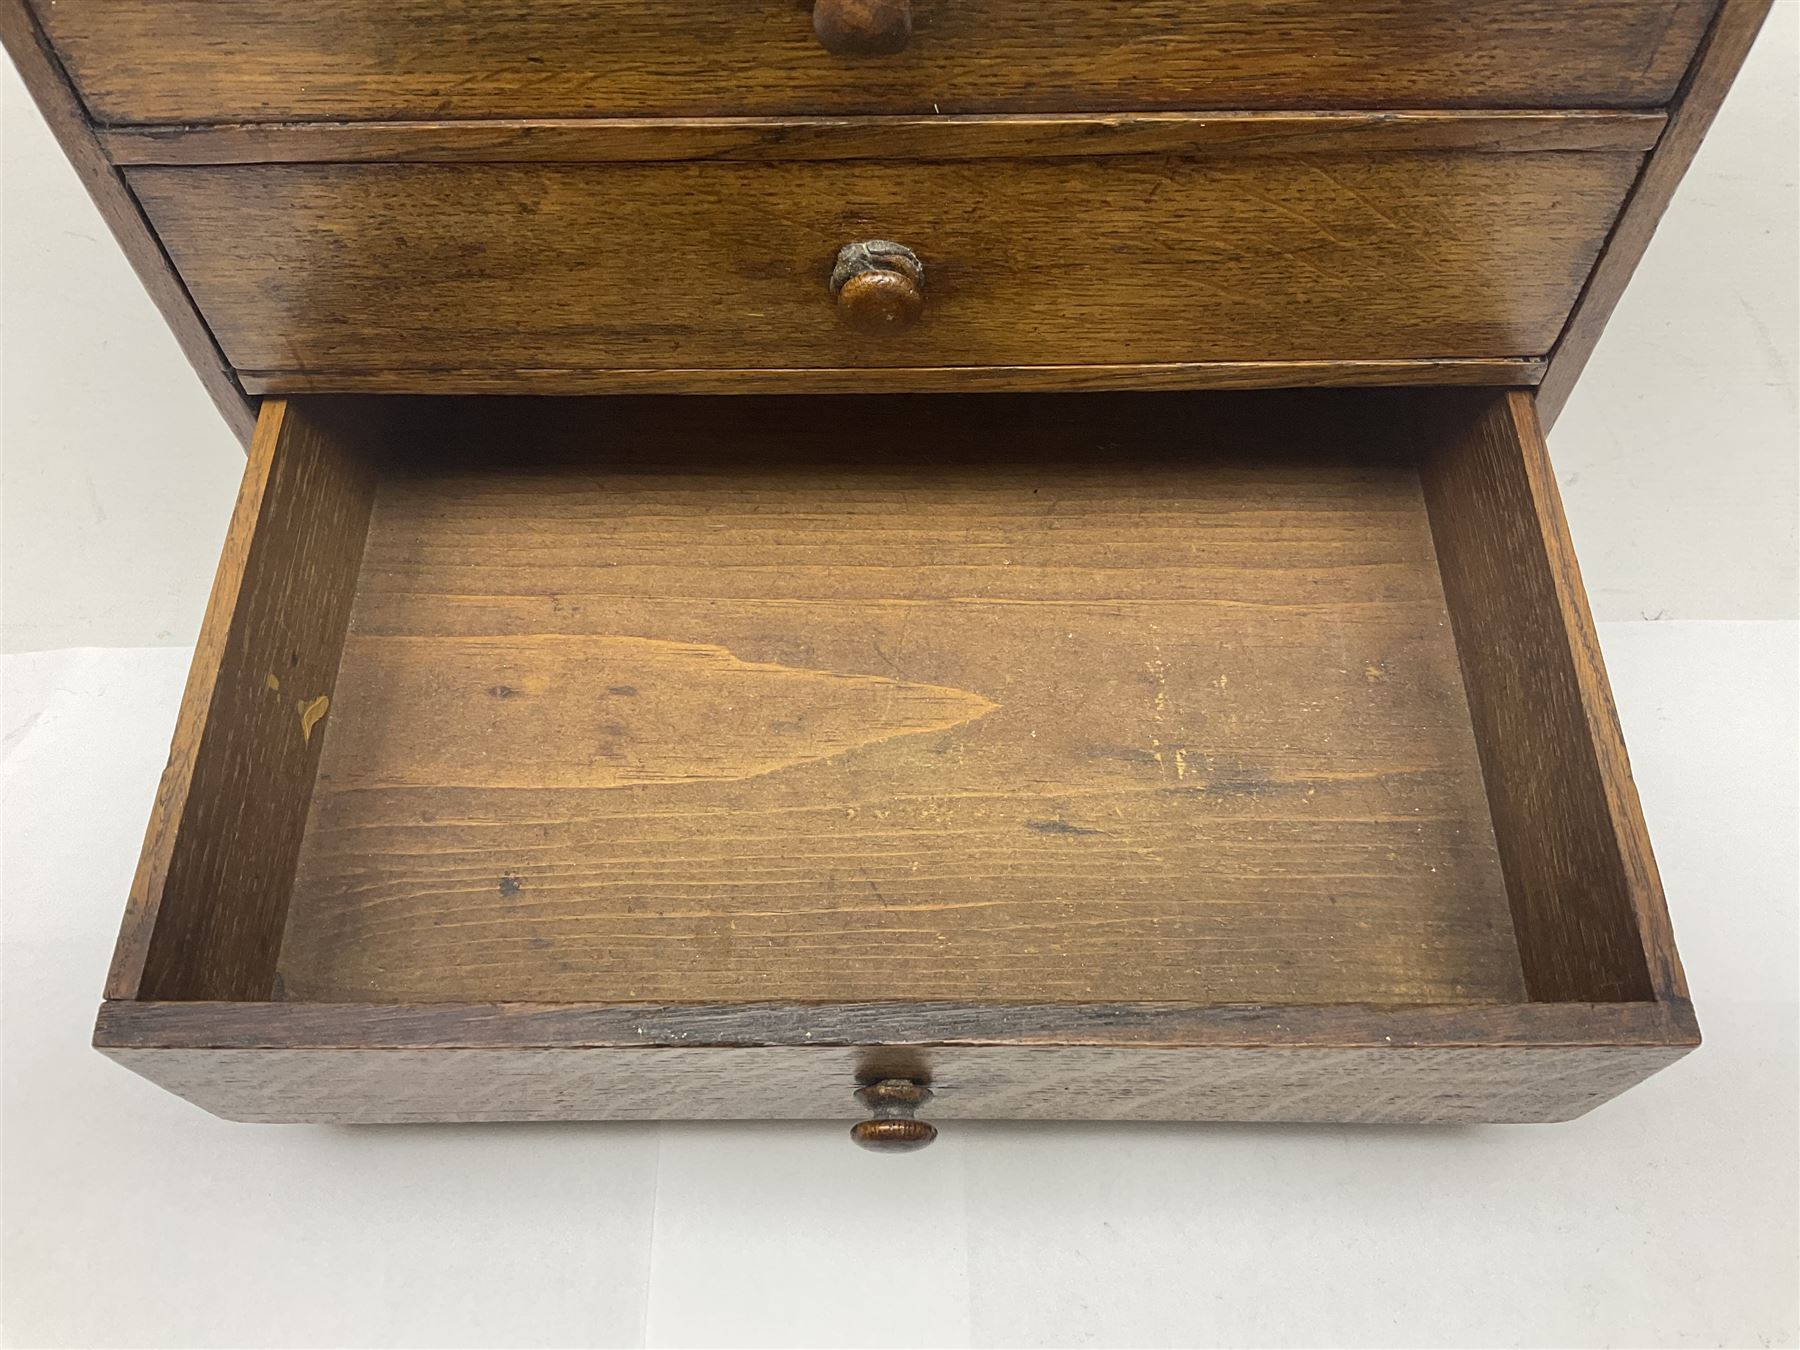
column 1054, row 755
column 586, row 82
column 363, row 268
column 181, row 61
column 669, row 139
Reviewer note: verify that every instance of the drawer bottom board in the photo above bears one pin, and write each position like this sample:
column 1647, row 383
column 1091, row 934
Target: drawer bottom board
column 1138, row 707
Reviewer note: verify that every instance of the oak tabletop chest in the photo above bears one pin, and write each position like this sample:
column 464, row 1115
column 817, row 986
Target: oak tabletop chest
column 891, row 561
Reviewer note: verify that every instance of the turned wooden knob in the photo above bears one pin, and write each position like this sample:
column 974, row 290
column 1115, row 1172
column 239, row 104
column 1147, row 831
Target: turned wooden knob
column 892, row 1128
column 863, row 27
column 879, row 285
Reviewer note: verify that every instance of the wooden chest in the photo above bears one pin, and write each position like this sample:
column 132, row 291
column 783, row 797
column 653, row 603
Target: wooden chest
column 912, row 561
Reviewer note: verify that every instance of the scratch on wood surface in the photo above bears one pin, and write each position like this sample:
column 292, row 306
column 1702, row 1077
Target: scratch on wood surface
column 1058, row 826
column 1299, row 216
column 1351, row 192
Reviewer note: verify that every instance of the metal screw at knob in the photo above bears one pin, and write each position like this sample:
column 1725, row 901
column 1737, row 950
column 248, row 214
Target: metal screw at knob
column 892, row 1128
column 879, row 286
column 863, row 27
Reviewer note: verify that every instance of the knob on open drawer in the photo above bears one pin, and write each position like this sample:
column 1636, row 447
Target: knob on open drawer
column 863, row 27
column 892, row 1127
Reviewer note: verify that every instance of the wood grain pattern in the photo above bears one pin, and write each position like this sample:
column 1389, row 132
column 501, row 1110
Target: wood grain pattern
column 893, row 1029
column 1121, row 1062
column 1727, row 44
column 1587, row 903
column 358, row 268
column 49, row 87
column 207, row 905
column 254, row 60
column 1361, row 1086
column 505, row 698
column 911, row 379
column 670, row 139
column 1100, row 699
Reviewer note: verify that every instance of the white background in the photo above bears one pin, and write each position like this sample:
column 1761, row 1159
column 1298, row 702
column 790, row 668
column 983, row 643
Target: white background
column 1668, row 1217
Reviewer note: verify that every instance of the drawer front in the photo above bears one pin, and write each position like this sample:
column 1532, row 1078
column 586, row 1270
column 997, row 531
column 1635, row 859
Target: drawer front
column 513, row 267
column 227, row 60
column 367, row 1064
column 1495, row 1085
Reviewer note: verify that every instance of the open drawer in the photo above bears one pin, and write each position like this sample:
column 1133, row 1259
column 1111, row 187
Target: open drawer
column 1159, row 756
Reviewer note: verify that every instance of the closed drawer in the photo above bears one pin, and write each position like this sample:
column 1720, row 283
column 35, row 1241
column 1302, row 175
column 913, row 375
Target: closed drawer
column 402, row 276
column 1182, row 756
column 253, row 60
